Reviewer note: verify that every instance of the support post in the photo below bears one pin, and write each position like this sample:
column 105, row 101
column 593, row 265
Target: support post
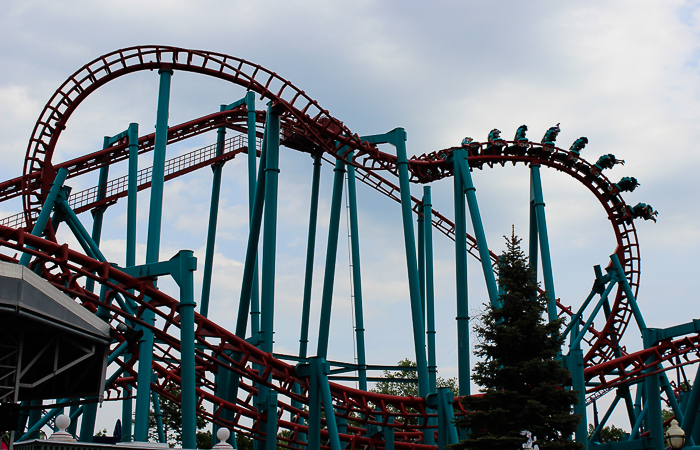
column 152, row 253
column 430, row 287
column 462, row 293
column 544, row 241
column 357, row 277
column 484, row 255
column 213, row 219
column 331, row 253
column 45, row 213
column 310, row 249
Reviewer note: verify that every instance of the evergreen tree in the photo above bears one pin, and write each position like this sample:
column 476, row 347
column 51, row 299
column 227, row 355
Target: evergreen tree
column 521, row 378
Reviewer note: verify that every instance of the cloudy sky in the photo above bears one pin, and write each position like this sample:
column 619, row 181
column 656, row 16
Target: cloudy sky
column 623, row 73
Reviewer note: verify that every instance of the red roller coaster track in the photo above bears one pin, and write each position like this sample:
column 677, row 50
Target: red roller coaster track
column 306, row 127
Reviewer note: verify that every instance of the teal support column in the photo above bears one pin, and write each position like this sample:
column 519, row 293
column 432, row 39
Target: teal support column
column 152, row 253
column 252, row 181
column 133, row 135
column 447, row 433
column 534, row 240
column 34, row 418
column 251, row 259
column 357, row 278
column 310, row 249
column 127, row 413
column 331, row 253
column 414, row 285
column 544, row 241
column 420, row 222
column 463, row 350
column 272, row 170
column 430, row 292
column 576, row 365
column 158, row 416
column 131, row 214
column 308, row 275
column 158, row 177
column 309, row 370
column 87, row 423
column 484, row 255
column 691, row 407
column 270, row 411
column 213, row 218
column 45, row 213
column 99, row 212
column 430, row 287
column 184, row 277
column 321, row 368
column 652, row 403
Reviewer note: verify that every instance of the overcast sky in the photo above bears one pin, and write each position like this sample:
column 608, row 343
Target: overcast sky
column 622, row 73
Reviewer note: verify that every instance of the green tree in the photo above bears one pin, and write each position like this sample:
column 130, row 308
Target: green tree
column 521, row 378
column 171, row 415
column 406, row 388
column 608, row 434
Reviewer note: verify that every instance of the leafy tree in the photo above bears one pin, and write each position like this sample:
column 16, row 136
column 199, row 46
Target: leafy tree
column 405, row 389
column 171, row 415
column 521, row 378
column 608, row 434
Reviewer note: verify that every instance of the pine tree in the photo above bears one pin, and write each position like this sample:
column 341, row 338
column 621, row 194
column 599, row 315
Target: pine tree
column 521, row 378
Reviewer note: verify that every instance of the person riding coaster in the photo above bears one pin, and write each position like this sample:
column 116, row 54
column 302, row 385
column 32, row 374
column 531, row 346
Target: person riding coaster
column 495, row 142
column 578, row 145
column 644, row 211
column 608, row 161
column 550, row 136
column 471, row 146
column 521, row 141
column 628, row 184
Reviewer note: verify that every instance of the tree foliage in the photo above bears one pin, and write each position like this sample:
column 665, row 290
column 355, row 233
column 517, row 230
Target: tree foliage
column 407, row 388
column 521, row 378
column 608, row 434
column 171, row 415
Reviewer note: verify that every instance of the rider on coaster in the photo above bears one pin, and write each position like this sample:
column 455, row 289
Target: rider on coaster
column 495, row 142
column 628, row 184
column 644, row 211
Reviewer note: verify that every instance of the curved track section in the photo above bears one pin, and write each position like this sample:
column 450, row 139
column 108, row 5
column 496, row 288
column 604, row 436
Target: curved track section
column 306, row 127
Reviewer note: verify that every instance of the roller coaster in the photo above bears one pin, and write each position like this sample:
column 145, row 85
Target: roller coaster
column 233, row 378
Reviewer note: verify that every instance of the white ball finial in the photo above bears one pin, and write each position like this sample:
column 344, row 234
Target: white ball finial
column 62, row 422
column 223, row 435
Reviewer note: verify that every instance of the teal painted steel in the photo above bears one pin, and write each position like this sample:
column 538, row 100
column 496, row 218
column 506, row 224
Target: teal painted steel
column 133, row 134
column 447, row 433
column 604, row 420
column 318, row 364
column 430, row 288
column 310, row 250
column 603, row 298
column 184, row 276
column 534, row 241
column 252, row 182
column 357, row 277
column 158, row 416
column 152, row 253
column 155, row 214
column 544, row 241
column 478, row 226
column 45, row 214
column 397, row 137
column 99, row 212
column 251, row 258
column 267, row 295
column 213, row 219
column 214, row 211
column 331, row 253
column 462, row 293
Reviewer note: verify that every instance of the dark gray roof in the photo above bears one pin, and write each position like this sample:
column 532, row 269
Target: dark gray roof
column 25, row 293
